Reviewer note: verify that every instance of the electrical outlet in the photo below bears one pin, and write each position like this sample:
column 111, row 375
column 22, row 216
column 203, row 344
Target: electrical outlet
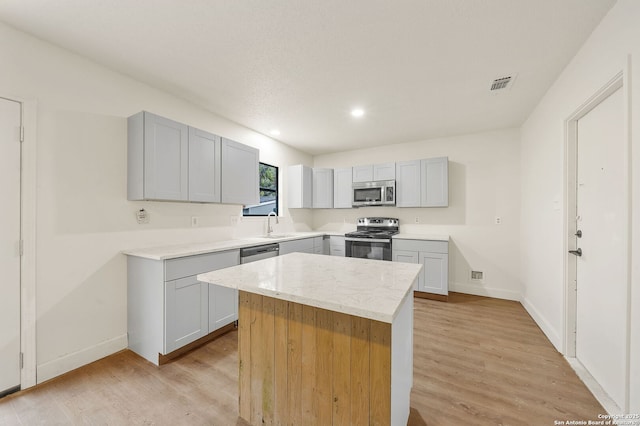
column 142, row 216
column 194, row 221
column 417, row 220
column 477, row 275
column 498, row 220
column 234, row 220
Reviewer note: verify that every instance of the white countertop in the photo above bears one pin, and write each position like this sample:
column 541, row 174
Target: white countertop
column 365, row 288
column 183, row 250
column 428, row 237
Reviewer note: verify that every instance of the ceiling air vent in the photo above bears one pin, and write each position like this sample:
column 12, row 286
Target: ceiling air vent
column 501, row 83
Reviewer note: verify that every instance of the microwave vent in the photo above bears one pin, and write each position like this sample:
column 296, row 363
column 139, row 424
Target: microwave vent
column 502, row 83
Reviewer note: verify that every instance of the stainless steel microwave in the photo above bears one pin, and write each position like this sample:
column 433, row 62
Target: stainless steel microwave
column 380, row 193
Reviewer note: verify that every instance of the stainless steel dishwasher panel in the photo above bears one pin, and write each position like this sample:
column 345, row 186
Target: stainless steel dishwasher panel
column 253, row 254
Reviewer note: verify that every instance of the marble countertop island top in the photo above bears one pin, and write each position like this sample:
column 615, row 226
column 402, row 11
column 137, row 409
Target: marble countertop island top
column 365, row 288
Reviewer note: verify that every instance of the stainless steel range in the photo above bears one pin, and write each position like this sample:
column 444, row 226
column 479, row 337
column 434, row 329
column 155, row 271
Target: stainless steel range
column 372, row 239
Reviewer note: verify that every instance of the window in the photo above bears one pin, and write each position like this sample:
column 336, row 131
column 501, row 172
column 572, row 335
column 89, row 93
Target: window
column 268, row 193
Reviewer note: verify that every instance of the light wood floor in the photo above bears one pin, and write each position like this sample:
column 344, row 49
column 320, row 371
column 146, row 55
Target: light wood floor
column 477, row 361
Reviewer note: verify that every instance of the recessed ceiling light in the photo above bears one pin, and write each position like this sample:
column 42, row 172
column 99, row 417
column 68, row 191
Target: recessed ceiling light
column 275, row 132
column 357, row 112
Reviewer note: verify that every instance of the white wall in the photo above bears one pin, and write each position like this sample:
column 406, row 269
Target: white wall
column 83, row 218
column 604, row 54
column 484, row 182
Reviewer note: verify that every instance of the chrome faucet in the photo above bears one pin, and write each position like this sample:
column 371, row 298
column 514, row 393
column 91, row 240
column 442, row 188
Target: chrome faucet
column 269, row 227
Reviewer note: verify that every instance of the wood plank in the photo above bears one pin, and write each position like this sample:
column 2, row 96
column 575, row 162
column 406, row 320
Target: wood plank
column 244, row 355
column 256, row 358
column 323, row 396
column 294, row 360
column 308, row 365
column 268, row 360
column 380, row 373
column 360, row 334
column 341, row 369
column 281, row 366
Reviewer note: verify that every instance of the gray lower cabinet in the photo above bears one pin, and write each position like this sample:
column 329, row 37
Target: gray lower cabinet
column 168, row 307
column 304, row 245
column 434, row 255
column 336, row 245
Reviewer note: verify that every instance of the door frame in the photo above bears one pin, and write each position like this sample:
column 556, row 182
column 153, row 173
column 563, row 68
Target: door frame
column 619, row 81
column 28, row 235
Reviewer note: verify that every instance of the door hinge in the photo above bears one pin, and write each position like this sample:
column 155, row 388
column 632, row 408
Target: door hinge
column 21, row 248
column 21, row 360
column 21, row 134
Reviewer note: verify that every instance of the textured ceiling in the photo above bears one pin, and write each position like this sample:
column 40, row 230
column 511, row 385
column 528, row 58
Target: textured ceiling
column 420, row 69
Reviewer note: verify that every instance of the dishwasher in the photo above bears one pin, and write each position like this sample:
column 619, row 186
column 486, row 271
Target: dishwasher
column 252, row 254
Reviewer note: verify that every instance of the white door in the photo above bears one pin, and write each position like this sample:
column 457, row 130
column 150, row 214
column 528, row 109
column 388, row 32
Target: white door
column 10, row 121
column 602, row 212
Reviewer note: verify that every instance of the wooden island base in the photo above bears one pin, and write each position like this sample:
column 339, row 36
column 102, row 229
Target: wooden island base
column 305, row 365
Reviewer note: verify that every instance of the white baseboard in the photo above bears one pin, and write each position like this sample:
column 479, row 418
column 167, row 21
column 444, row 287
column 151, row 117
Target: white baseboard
column 592, row 384
column 69, row 362
column 545, row 326
column 480, row 290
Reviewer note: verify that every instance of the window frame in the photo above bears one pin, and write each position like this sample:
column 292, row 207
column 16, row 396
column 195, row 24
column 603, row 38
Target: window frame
column 261, row 189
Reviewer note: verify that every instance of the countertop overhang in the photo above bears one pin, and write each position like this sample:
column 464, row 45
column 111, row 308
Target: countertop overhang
column 365, row 288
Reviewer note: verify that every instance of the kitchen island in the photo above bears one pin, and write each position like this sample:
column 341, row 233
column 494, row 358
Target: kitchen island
column 323, row 340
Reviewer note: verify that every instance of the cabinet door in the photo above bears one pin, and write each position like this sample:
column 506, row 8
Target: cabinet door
column 363, row 173
column 336, row 246
column 436, row 272
column 409, row 257
column 223, row 306
column 240, row 173
column 408, row 189
column 166, row 159
column 322, row 188
column 186, row 312
column 223, row 301
column 342, row 188
column 384, row 171
column 300, row 187
column 305, row 245
column 435, row 182
column 204, row 166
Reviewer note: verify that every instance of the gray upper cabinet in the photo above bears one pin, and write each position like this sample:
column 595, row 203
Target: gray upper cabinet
column 170, row 161
column 408, row 188
column 363, row 173
column 240, row 173
column 300, row 187
column 322, row 188
column 435, row 182
column 423, row 183
column 384, row 171
column 342, row 188
column 158, row 158
column 204, row 166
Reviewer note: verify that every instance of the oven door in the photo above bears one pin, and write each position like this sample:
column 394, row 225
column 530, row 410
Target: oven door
column 368, row 248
